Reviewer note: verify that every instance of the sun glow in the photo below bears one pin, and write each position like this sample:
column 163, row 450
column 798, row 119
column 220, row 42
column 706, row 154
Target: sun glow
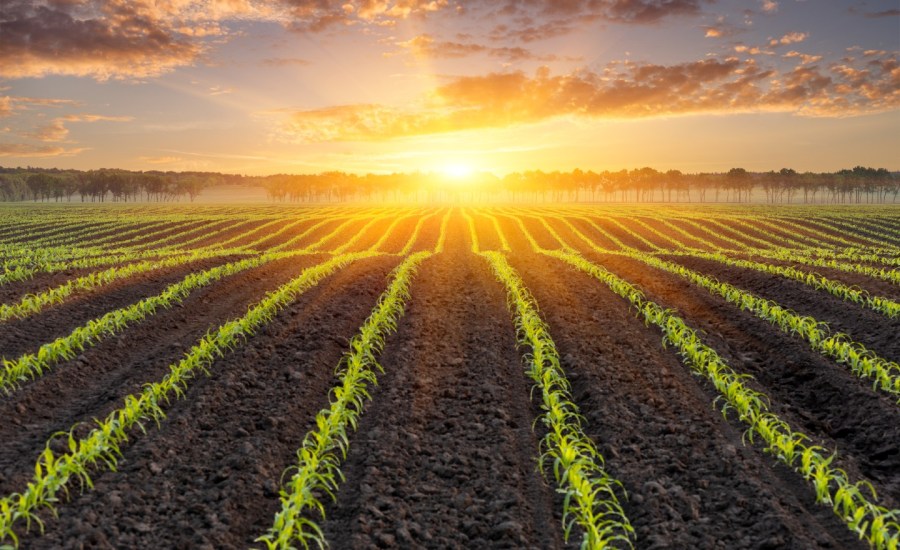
column 457, row 170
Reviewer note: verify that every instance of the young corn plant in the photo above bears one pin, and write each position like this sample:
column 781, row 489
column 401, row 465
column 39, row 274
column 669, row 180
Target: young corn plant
column 884, row 374
column 812, row 259
column 473, row 234
column 319, row 458
column 34, row 303
column 32, row 365
column 102, row 447
column 407, row 248
column 853, row 501
column 442, row 236
column 882, row 305
column 590, row 492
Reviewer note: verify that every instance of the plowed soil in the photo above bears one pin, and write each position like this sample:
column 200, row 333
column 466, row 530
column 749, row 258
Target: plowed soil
column 446, row 454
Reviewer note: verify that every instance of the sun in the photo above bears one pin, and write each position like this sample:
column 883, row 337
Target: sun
column 457, row 170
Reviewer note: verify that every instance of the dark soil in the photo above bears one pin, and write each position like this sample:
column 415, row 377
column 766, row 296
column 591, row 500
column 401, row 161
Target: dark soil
column 26, row 335
column 188, row 230
column 39, row 282
column 690, row 480
column 225, row 235
column 98, row 380
column 874, row 286
column 446, row 452
column 870, row 328
column 693, row 230
column 445, row 455
column 488, row 239
column 823, row 229
column 616, row 231
column 54, row 232
column 270, row 231
column 209, row 477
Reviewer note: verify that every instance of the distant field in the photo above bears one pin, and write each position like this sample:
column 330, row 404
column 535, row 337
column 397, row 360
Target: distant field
column 242, row 376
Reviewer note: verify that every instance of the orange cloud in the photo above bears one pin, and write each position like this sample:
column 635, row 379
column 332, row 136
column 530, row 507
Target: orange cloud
column 805, row 59
column 55, row 131
column 752, row 50
column 134, row 39
column 789, row 38
column 285, row 62
column 96, row 118
column 26, row 150
column 160, row 160
column 623, row 90
column 426, row 47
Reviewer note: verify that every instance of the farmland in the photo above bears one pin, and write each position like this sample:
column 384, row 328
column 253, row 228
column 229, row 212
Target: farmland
column 371, row 376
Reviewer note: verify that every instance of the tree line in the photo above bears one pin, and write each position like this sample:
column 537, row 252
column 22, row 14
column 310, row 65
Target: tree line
column 856, row 185
column 34, row 184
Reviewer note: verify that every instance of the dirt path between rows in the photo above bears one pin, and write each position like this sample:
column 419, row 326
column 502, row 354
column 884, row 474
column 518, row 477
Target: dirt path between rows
column 870, row 328
column 445, row 454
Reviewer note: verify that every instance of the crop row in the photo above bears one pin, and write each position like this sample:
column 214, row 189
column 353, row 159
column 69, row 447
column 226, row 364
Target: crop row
column 102, row 446
column 833, row 486
column 319, row 457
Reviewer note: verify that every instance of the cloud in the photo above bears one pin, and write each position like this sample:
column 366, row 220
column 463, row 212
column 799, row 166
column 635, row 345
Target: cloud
column 26, row 150
column 769, row 6
column 55, row 131
column 879, row 14
column 112, row 39
column 136, row 39
column 805, row 59
column 425, row 46
column 789, row 38
column 885, row 13
column 20, row 103
column 621, row 90
column 322, row 15
column 221, row 90
column 160, row 160
column 96, row 118
column 285, row 62
column 646, row 11
column 752, row 50
column 530, row 32
column 721, row 28
column 6, row 108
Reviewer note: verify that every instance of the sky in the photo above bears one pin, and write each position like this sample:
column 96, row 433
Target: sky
column 302, row 86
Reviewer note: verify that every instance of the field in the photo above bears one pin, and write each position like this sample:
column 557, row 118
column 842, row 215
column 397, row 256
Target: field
column 542, row 377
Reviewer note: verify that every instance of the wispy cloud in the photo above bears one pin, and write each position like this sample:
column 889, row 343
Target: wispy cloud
column 285, row 62
column 160, row 160
column 54, row 131
column 221, row 90
column 426, row 46
column 35, row 151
